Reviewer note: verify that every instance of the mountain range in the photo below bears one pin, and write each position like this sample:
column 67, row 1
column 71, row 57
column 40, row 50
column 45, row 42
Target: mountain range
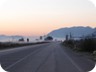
column 58, row 33
column 74, row 31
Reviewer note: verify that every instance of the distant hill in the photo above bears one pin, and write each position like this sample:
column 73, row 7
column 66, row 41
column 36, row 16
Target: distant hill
column 75, row 31
column 92, row 34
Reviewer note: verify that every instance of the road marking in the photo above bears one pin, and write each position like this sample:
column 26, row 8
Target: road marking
column 22, row 59
column 73, row 62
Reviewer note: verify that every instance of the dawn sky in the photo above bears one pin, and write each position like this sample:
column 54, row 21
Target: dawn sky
column 38, row 17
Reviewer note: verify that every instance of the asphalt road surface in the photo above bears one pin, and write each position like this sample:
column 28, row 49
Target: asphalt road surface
column 49, row 57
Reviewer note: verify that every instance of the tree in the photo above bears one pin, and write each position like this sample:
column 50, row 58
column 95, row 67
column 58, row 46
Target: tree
column 49, row 38
column 27, row 39
column 66, row 37
column 21, row 40
column 41, row 37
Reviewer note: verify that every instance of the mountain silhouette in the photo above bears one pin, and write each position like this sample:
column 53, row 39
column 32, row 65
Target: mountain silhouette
column 75, row 31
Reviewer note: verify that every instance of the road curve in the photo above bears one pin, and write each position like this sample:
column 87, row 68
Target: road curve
column 50, row 57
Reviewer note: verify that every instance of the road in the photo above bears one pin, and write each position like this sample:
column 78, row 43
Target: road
column 49, row 57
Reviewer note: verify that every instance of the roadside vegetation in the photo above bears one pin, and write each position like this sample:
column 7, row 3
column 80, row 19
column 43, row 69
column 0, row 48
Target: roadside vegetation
column 21, row 42
column 87, row 45
column 8, row 45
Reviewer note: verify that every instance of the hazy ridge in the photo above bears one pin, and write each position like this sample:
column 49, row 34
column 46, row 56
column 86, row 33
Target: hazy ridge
column 75, row 31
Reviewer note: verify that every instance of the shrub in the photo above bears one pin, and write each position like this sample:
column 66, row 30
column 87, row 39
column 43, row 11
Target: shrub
column 49, row 38
column 88, row 45
column 69, row 43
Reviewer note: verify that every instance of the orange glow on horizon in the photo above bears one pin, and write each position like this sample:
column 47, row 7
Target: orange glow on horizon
column 35, row 30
